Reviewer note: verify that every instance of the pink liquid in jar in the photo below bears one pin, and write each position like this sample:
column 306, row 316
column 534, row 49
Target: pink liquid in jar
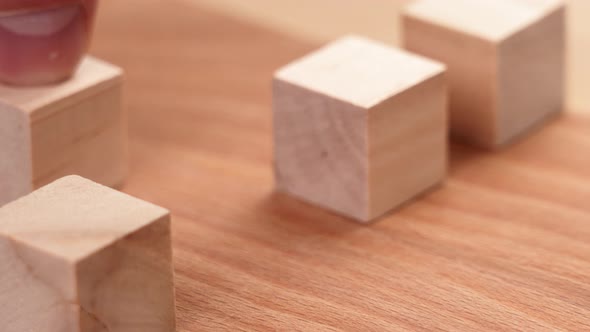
column 45, row 41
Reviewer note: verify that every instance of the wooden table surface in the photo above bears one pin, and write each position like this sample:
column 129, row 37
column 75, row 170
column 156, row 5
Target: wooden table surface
column 504, row 244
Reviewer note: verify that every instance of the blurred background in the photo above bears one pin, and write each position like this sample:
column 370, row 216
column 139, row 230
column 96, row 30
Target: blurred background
column 323, row 20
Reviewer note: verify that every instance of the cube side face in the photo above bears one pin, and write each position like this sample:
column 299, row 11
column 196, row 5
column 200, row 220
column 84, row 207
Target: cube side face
column 486, row 19
column 471, row 64
column 88, row 138
column 407, row 144
column 320, row 149
column 128, row 286
column 38, row 290
column 15, row 154
column 531, row 76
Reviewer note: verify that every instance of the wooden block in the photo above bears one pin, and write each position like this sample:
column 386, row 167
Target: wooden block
column 80, row 257
column 76, row 127
column 505, row 60
column 359, row 127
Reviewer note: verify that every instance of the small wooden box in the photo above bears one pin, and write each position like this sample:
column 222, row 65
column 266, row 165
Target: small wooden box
column 505, row 60
column 80, row 257
column 76, row 127
column 359, row 127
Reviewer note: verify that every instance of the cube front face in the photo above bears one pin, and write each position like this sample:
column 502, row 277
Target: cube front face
column 82, row 257
column 87, row 138
column 320, row 149
column 76, row 127
column 359, row 128
column 505, row 78
column 407, row 145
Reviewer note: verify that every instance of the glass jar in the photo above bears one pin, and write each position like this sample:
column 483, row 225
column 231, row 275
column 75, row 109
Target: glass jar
column 43, row 41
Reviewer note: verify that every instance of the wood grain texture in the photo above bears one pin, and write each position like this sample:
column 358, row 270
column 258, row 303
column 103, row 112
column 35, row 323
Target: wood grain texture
column 359, row 127
column 76, row 127
column 506, row 62
column 81, row 257
column 502, row 246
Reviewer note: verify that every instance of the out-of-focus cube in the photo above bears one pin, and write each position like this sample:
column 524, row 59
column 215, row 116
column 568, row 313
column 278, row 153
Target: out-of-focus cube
column 80, row 257
column 359, row 127
column 75, row 127
column 505, row 60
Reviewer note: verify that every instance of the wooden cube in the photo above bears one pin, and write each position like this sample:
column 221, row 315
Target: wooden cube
column 80, row 257
column 76, row 127
column 505, row 60
column 359, row 127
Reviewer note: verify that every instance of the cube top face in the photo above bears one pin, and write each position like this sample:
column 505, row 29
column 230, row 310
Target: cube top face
column 92, row 76
column 491, row 20
column 73, row 218
column 359, row 71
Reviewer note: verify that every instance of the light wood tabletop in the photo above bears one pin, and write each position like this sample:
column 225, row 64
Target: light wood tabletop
column 502, row 245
